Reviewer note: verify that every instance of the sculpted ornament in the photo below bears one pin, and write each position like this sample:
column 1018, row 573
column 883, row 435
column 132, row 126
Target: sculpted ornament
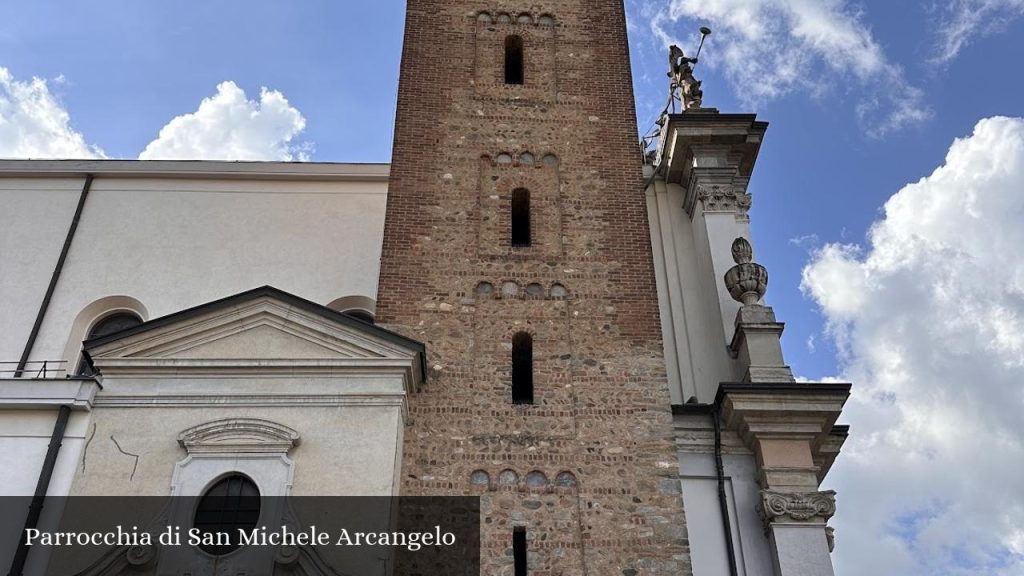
column 140, row 555
column 747, row 281
column 797, row 506
column 718, row 198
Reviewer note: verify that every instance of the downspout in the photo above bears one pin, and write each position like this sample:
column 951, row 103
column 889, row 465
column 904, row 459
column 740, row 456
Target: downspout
column 723, row 503
column 692, row 407
column 42, row 486
column 54, row 278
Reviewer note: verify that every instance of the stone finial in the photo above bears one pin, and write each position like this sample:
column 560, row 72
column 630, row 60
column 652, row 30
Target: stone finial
column 747, row 281
column 742, row 251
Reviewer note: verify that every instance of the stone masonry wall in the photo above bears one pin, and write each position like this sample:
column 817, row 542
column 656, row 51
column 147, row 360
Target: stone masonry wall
column 590, row 468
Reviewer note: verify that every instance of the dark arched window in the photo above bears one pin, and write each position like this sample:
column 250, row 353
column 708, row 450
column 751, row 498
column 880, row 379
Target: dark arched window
column 113, row 323
column 514, row 60
column 521, row 218
column 230, row 505
column 522, row 369
column 359, row 315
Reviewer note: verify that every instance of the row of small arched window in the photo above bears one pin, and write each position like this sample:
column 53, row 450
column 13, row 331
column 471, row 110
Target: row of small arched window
column 510, row 289
column 533, row 480
column 525, row 159
column 506, row 18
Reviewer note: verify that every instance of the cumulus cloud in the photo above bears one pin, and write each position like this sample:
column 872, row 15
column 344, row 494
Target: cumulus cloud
column 964, row 19
column 928, row 319
column 230, row 126
column 770, row 48
column 34, row 124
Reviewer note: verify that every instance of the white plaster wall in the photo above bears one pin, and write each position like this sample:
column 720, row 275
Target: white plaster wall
column 36, row 214
column 344, row 450
column 24, row 438
column 185, row 235
column 174, row 243
column 689, row 293
column 704, row 519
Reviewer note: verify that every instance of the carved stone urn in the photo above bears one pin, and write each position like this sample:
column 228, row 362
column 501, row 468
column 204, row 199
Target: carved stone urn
column 747, row 282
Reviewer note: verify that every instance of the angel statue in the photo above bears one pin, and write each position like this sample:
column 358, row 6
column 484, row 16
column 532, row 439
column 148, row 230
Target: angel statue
column 681, row 74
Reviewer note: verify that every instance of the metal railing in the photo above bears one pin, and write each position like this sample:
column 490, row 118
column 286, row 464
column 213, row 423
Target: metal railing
column 35, row 369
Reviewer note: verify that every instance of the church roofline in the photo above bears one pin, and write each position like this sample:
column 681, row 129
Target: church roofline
column 266, row 291
column 331, row 171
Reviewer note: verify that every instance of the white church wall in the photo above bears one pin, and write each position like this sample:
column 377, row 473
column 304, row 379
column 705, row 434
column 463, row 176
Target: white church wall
column 173, row 240
column 36, row 213
column 24, row 436
column 343, row 450
column 688, row 295
column 705, row 528
column 168, row 236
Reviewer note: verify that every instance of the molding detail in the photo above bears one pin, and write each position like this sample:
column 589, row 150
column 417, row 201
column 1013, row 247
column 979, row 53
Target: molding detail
column 239, row 435
column 719, row 198
column 778, row 506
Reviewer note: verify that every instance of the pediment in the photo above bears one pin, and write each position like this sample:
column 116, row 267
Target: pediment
column 262, row 329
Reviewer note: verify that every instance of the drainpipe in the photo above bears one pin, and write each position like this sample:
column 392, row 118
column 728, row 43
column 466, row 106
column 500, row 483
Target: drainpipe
column 42, row 486
column 714, row 411
column 723, row 503
column 54, row 278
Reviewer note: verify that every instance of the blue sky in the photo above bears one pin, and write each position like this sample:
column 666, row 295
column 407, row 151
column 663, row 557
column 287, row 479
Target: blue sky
column 865, row 102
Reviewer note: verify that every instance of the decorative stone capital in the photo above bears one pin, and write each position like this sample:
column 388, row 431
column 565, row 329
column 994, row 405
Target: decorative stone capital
column 804, row 507
column 724, row 198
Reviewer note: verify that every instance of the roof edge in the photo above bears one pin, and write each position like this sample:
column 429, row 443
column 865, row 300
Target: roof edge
column 277, row 294
column 336, row 171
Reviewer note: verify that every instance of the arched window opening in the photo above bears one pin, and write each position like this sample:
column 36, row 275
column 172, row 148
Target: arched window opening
column 514, row 60
column 519, row 550
column 522, row 369
column 112, row 323
column 229, row 506
column 521, row 218
column 358, row 314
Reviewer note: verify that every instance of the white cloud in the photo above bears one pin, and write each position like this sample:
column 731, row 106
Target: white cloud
column 229, row 126
column 34, row 124
column 929, row 322
column 964, row 19
column 771, row 48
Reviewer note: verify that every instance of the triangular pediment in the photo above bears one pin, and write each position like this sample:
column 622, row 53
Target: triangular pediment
column 263, row 328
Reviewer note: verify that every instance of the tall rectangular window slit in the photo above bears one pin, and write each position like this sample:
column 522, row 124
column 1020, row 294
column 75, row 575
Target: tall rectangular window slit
column 519, row 550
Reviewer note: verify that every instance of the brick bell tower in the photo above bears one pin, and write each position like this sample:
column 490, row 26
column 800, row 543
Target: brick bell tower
column 516, row 247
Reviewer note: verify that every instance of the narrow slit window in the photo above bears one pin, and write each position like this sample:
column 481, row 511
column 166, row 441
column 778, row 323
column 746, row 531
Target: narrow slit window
column 514, row 60
column 521, row 218
column 519, row 550
column 522, row 369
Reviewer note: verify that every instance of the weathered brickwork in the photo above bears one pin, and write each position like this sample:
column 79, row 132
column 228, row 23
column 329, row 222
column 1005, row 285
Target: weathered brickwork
column 590, row 468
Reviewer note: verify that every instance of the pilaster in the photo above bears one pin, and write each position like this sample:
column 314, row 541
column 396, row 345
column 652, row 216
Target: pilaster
column 712, row 156
column 788, row 426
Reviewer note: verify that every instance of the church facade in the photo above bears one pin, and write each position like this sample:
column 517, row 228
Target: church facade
column 523, row 307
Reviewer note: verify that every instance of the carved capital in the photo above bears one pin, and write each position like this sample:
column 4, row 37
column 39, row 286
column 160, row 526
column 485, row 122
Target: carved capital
column 796, row 506
column 723, row 198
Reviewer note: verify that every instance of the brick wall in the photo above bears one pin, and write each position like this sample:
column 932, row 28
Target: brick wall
column 590, row 469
